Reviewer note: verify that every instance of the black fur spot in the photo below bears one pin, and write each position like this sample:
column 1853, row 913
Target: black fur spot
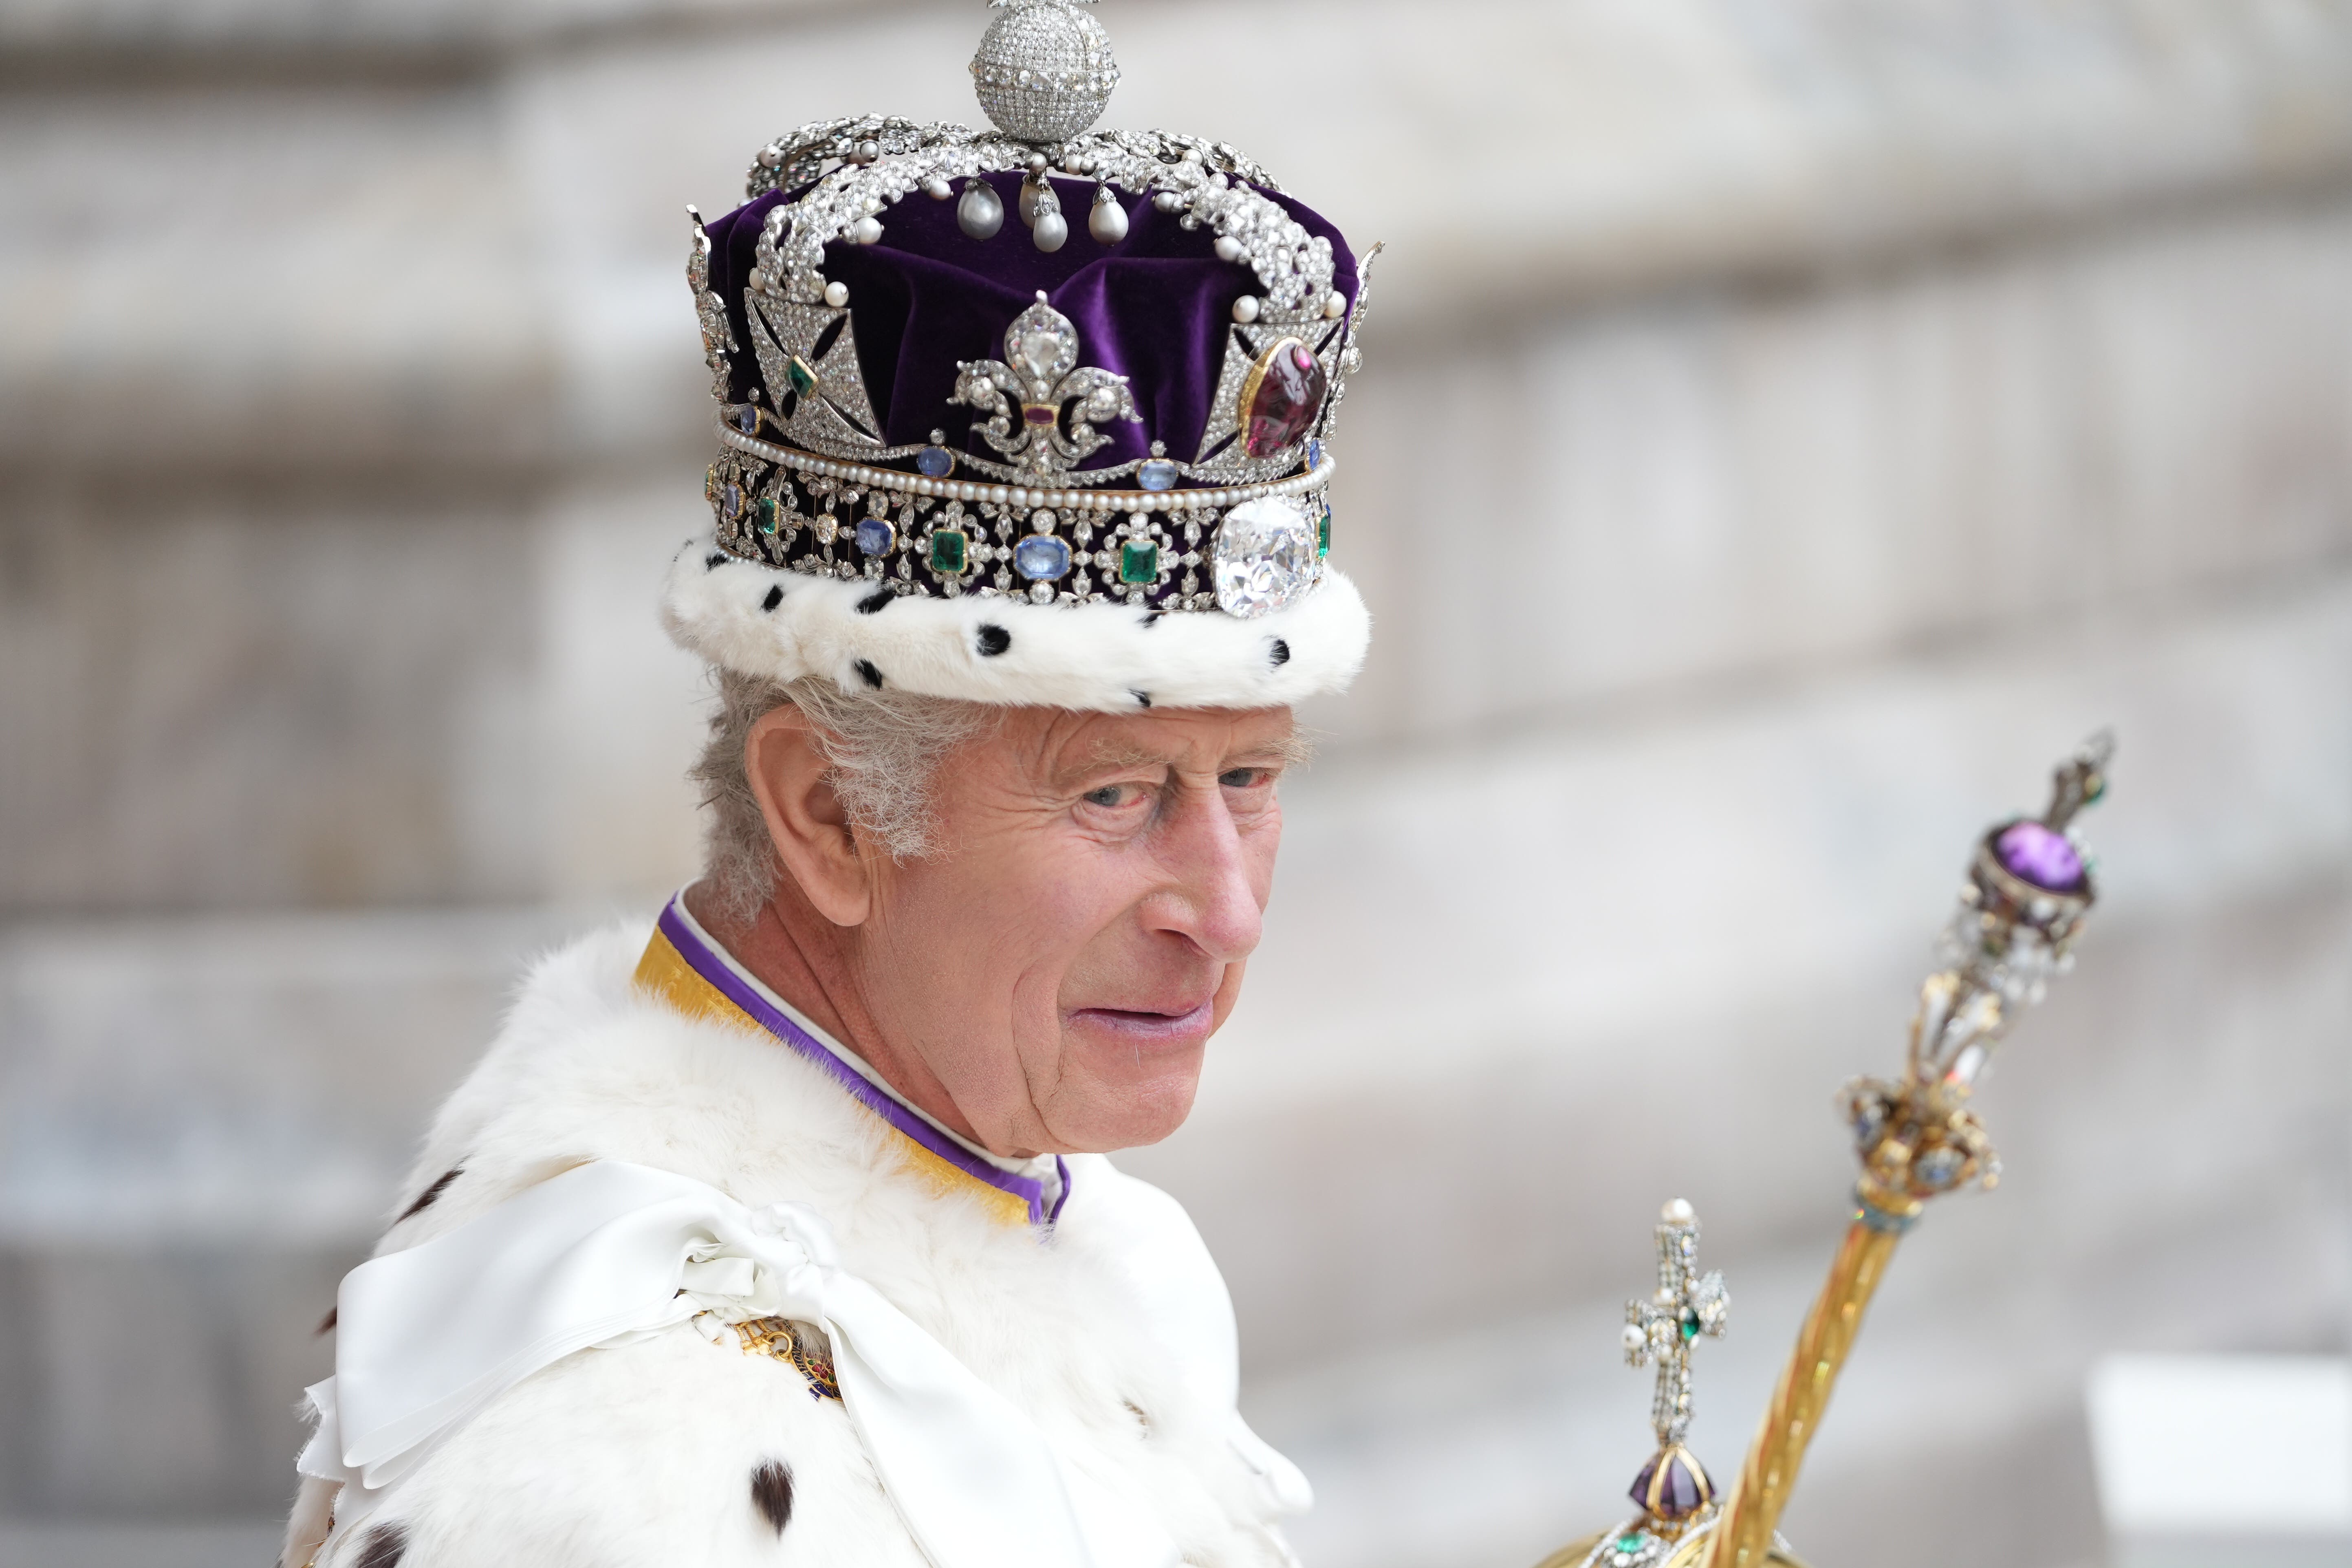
column 714, row 561
column 775, row 596
column 873, row 601
column 1152, row 619
column 871, row 676
column 994, row 640
column 1142, row 698
column 385, row 1545
column 430, row 1195
column 1279, row 653
column 771, row 1493
column 327, row 1323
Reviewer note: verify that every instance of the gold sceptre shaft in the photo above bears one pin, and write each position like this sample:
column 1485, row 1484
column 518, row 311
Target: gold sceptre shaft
column 2024, row 903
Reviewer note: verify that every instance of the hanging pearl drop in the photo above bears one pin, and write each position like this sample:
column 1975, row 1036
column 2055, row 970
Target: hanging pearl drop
column 1107, row 221
column 980, row 214
column 1050, row 231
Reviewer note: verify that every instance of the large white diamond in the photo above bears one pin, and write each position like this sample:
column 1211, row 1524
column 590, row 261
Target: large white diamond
column 1265, row 558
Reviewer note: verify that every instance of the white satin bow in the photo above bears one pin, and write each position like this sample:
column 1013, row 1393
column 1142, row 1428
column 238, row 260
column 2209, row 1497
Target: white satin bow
column 608, row 1252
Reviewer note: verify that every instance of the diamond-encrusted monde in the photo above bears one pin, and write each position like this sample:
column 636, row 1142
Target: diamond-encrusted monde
column 1044, row 71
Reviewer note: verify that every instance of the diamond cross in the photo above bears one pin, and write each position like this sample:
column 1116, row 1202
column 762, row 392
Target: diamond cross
column 1685, row 1305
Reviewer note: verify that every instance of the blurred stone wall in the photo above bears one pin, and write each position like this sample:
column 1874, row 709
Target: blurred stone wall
column 1787, row 426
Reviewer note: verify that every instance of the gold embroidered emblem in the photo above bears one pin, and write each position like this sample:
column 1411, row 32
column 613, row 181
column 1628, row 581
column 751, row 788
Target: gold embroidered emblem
column 777, row 1337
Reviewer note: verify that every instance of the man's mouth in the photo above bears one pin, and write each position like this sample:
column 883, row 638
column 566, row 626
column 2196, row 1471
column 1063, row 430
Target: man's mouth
column 1145, row 1027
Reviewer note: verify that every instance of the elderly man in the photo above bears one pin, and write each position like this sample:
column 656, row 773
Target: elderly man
column 782, row 1232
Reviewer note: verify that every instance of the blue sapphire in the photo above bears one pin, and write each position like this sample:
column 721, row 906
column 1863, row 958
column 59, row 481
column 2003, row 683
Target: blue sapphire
column 1041, row 558
column 1314, row 453
column 747, row 419
column 935, row 462
column 1159, row 474
column 876, row 536
column 734, row 500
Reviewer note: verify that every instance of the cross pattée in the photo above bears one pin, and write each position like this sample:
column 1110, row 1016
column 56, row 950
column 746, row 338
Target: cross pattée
column 1662, row 1328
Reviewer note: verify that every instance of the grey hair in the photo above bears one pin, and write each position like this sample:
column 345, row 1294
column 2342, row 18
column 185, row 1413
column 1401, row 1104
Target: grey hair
column 882, row 750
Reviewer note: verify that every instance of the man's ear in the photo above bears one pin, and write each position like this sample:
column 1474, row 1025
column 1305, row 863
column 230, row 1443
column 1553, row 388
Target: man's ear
column 806, row 824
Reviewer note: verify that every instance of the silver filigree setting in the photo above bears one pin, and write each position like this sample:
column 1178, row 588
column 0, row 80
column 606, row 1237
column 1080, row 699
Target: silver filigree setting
column 1038, row 388
column 709, row 310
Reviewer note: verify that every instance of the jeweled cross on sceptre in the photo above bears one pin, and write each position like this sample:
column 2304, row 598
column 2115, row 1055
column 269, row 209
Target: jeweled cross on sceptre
column 1672, row 1487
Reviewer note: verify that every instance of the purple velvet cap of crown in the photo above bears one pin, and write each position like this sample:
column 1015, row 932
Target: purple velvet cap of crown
column 1155, row 308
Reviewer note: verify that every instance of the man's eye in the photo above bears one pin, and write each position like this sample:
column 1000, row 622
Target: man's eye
column 1242, row 778
column 1110, row 796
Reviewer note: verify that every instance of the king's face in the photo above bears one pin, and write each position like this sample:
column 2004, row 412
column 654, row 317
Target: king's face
column 1061, row 963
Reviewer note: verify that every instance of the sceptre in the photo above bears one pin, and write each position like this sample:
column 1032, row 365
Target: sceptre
column 2029, row 885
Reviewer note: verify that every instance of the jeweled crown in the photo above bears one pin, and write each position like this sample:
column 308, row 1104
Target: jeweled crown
column 1134, row 411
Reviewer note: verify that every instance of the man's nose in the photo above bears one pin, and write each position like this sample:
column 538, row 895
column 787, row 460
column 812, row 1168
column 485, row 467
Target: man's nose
column 1212, row 896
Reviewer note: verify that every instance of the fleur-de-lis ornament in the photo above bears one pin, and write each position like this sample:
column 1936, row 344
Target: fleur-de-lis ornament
column 1043, row 405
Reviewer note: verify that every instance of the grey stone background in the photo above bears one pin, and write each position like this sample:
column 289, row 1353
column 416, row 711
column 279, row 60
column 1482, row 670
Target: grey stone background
column 1787, row 426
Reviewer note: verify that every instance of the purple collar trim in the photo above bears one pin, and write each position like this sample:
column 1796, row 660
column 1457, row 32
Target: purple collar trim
column 704, row 962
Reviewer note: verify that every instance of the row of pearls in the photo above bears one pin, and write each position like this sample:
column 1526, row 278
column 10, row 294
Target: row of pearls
column 1014, row 496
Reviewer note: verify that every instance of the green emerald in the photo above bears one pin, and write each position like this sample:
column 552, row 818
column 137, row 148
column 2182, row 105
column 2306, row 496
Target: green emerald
column 765, row 510
column 949, row 546
column 1138, row 561
column 801, row 374
column 1690, row 1328
column 1323, row 533
column 1632, row 1541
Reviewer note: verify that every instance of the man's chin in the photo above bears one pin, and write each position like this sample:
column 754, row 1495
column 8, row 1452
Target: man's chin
column 1124, row 1100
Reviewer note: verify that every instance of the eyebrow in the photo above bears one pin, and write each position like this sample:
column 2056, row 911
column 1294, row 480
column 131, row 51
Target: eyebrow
column 1293, row 750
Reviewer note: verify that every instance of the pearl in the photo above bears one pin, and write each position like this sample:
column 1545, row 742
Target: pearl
column 771, row 157
column 1036, row 162
column 1051, row 231
column 1228, row 247
column 1633, row 1337
column 1167, row 201
column 936, row 188
column 1245, row 310
column 1107, row 221
column 865, row 230
column 1335, row 305
column 981, row 213
column 836, row 295
column 759, row 281
column 1677, row 1211
column 868, row 150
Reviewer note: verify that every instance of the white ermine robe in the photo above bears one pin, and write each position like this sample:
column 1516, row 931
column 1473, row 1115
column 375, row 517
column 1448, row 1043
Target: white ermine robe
column 1082, row 1296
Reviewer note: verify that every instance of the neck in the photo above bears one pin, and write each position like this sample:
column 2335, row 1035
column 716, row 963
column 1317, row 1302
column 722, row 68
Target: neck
column 812, row 964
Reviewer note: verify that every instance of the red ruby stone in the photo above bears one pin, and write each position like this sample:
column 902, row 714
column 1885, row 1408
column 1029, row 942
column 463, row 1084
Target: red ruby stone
column 1039, row 413
column 1289, row 397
